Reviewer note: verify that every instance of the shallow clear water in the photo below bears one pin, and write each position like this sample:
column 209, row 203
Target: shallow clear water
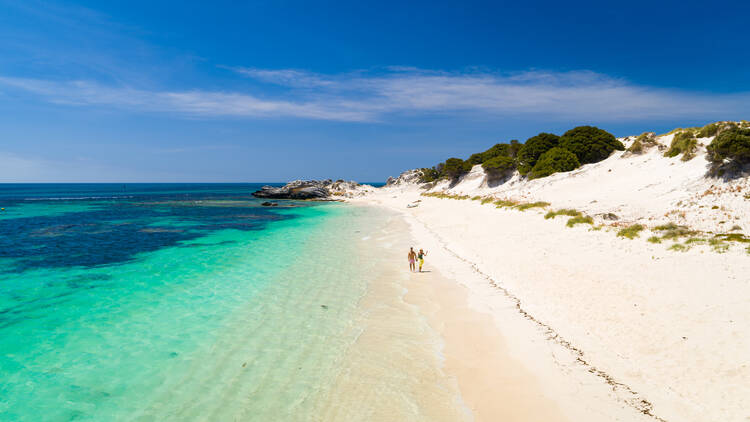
column 181, row 302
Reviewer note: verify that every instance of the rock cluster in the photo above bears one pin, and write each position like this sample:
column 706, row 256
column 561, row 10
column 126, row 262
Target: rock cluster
column 309, row 189
column 408, row 177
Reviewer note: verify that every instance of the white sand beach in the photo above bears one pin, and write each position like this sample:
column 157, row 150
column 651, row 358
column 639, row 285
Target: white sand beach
column 583, row 324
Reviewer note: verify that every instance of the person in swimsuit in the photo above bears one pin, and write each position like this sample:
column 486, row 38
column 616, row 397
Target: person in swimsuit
column 412, row 257
column 421, row 256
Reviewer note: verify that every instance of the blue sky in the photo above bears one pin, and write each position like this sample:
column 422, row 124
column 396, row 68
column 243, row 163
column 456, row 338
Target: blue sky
column 276, row 90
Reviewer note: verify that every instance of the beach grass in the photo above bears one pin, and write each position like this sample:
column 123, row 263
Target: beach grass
column 679, row 247
column 504, row 203
column 631, row 232
column 526, row 206
column 567, row 211
column 579, row 219
column 674, row 231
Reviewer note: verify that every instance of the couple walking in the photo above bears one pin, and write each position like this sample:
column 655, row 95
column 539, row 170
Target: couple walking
column 413, row 256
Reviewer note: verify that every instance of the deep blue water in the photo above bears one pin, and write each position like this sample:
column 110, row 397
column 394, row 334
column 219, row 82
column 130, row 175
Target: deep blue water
column 63, row 225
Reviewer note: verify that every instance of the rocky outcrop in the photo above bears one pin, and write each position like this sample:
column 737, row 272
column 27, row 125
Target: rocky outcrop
column 408, row 177
column 312, row 189
column 298, row 189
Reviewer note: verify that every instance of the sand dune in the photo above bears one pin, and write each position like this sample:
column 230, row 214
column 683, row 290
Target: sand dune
column 615, row 328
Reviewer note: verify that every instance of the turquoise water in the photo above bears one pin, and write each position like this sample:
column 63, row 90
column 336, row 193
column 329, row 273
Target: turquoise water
column 172, row 302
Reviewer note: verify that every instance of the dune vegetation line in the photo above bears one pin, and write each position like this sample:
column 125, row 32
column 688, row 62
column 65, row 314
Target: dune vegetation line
column 727, row 155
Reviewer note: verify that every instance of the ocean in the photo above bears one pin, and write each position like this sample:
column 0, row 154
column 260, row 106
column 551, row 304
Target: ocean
column 194, row 302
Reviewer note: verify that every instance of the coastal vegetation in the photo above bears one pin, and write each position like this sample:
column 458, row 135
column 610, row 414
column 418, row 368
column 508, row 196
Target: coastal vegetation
column 683, row 143
column 631, row 232
column 642, row 143
column 526, row 206
column 590, row 144
column 533, row 149
column 581, row 219
column 504, row 203
column 554, row 161
column 540, row 156
column 730, row 148
column 719, row 243
column 727, row 146
column 568, row 212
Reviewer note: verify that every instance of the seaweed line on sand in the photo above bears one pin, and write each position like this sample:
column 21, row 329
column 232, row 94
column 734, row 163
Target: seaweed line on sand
column 637, row 402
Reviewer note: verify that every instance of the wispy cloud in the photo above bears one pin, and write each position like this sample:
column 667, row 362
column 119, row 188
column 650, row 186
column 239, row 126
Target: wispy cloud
column 195, row 103
column 379, row 96
column 285, row 77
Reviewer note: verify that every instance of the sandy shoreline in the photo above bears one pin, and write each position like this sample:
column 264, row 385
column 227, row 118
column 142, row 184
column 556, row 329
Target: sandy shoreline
column 614, row 329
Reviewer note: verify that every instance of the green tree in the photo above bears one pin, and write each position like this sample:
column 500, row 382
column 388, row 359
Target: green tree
column 475, row 158
column 533, row 149
column 497, row 150
column 590, row 144
column 499, row 166
column 554, row 161
column 453, row 168
column 513, row 147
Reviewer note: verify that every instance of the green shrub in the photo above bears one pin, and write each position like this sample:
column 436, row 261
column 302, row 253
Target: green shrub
column 643, row 141
column 476, row 198
column 534, row 147
column 497, row 150
column 682, row 143
column 654, row 239
column 499, row 166
column 732, row 145
column 590, row 144
column 567, row 211
column 554, row 161
column 673, row 231
column 709, row 130
column 487, row 199
column 581, row 219
column 429, row 175
column 453, row 168
column 630, row 232
column 526, row 206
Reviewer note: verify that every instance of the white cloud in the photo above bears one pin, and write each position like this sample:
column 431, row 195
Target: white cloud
column 366, row 96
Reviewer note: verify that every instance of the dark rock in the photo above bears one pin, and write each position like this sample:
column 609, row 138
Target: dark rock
column 269, row 204
column 298, row 189
column 609, row 216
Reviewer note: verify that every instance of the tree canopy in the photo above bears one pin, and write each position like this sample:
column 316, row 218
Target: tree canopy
column 590, row 144
column 533, row 149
